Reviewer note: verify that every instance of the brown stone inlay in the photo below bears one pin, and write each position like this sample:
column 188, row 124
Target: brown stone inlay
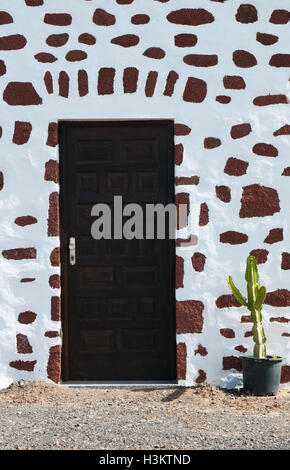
column 279, row 319
column 2, row 68
column 25, row 220
column 280, row 17
column 201, row 60
column 54, row 281
column 203, row 215
column 185, row 40
column 127, row 40
column 178, row 154
column 140, row 19
column 86, row 38
column 285, row 264
column 246, row 319
column 20, row 253
column 12, row 42
column 234, row 82
column 285, row 374
column 76, row 55
column 278, row 298
column 244, row 59
column 154, row 53
column 198, row 262
column 1, row 180
column 34, row 3
column 284, row 130
column 240, row 130
column 236, row 167
column 265, row 150
column 181, row 361
column 227, row 332
column 26, row 317
column 201, row 377
column 181, row 129
column 45, row 57
column 103, row 18
column 246, row 14
column 211, row 142
column 190, row 16
column 52, row 135
column 286, row 171
column 48, row 82
column 57, row 40
column 201, row 350
column 53, row 215
column 58, row 19
column 130, row 79
column 5, row 18
column 259, row 201
column 275, row 235
column 223, row 193
column 171, row 80
column 286, row 334
column 233, row 238
column 226, row 301
column 27, row 279
column 266, row 39
column 179, row 271
column 106, row 81
column 261, row 256
column 55, row 257
column 23, row 365
column 52, row 334
column 23, row 345
column 55, row 308
column 83, row 83
column 184, row 180
column 151, row 83
column 54, row 364
column 22, row 131
column 63, row 84
column 223, row 99
column 267, row 100
column 51, row 171
column 280, row 60
column 195, row 90
column 21, row 94
column 189, row 317
column 241, row 348
column 248, row 334
column 232, row 362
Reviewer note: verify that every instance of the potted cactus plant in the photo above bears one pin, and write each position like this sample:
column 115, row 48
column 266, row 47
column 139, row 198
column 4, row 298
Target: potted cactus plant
column 261, row 373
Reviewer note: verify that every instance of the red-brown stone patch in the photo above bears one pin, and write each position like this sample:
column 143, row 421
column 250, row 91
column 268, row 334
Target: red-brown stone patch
column 54, row 281
column 103, row 18
column 246, row 319
column 236, row 167
column 246, row 14
column 53, row 215
column 140, row 19
column 48, row 81
column 23, row 345
column 278, row 298
column 181, row 129
column 25, row 220
column 267, row 100
column 23, row 365
column 83, row 83
column 55, row 308
column 189, row 317
column 241, row 348
column 248, row 334
column 244, row 59
column 154, row 53
column 232, row 362
column 233, row 238
column 227, row 332
column 1, row 180
column 275, row 235
column 223, row 193
column 51, row 171
column 190, row 16
column 198, row 262
column 285, row 374
column 58, row 19
column 57, row 40
column 179, row 271
column 26, row 317
column 45, row 57
column 201, row 376
column 12, row 42
column 2, row 68
column 124, row 2
column 178, row 154
column 20, row 253
column 195, row 90
column 87, row 38
column 240, row 130
column 266, row 39
column 171, row 80
column 265, row 150
column 5, row 18
column 280, row 17
column 21, row 94
column 286, row 171
column 127, row 40
column 211, row 142
column 181, row 361
column 201, row 350
column 130, row 79
column 22, row 131
column 203, row 215
column 34, row 3
column 76, row 55
column 260, row 255
column 54, row 364
column 151, row 83
column 55, row 257
column 284, row 130
column 223, row 99
column 227, row 301
column 52, row 334
column 106, row 81
column 184, row 180
column 259, row 201
column 185, row 40
column 279, row 319
column 52, row 134
column 201, row 60
column 27, row 279
column 234, row 82
column 285, row 260
column 280, row 60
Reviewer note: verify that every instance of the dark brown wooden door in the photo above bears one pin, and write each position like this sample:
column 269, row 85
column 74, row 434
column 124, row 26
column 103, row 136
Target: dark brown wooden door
column 118, row 300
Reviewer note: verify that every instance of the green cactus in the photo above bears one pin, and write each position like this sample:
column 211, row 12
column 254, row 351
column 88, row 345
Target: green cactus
column 256, row 297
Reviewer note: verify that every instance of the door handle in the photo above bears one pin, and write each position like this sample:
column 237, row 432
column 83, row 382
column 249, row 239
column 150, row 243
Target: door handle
column 72, row 251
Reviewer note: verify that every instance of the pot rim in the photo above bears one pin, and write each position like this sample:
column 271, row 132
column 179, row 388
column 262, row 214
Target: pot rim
column 268, row 358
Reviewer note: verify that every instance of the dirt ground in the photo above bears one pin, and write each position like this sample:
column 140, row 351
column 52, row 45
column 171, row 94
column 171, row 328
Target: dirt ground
column 36, row 415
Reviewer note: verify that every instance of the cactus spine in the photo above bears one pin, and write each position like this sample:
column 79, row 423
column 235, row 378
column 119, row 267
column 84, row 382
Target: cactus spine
column 256, row 297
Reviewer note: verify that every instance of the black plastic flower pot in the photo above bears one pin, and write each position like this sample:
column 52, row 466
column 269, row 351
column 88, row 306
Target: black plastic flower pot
column 261, row 376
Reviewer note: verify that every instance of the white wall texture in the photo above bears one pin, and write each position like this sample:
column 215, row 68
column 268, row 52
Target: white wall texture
column 26, row 192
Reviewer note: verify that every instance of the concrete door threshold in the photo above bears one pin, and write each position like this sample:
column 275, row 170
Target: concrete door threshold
column 127, row 384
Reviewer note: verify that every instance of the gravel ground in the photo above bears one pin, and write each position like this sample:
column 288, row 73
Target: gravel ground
column 36, row 415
